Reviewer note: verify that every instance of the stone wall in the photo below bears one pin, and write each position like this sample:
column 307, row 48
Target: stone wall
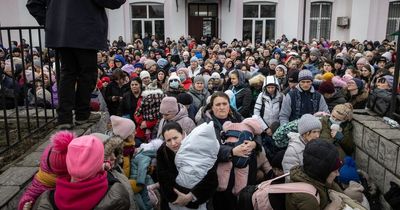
column 377, row 151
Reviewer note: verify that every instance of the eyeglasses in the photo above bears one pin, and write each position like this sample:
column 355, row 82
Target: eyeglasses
column 174, row 80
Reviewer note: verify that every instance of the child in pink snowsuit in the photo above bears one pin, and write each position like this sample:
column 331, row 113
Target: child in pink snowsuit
column 236, row 134
column 52, row 165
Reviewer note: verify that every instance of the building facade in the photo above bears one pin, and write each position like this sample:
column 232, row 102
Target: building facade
column 242, row 19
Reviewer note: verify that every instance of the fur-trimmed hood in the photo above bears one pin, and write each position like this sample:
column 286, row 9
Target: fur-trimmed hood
column 114, row 145
column 152, row 92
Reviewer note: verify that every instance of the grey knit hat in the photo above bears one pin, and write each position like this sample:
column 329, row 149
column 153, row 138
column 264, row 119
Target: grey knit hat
column 307, row 123
column 199, row 78
column 305, row 75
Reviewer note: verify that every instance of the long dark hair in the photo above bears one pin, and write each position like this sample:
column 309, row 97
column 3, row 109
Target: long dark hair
column 171, row 126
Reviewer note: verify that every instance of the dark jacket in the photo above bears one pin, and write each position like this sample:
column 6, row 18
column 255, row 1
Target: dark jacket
column 167, row 173
column 114, row 90
column 128, row 104
column 337, row 98
column 244, row 99
column 359, row 100
column 76, row 24
column 303, row 201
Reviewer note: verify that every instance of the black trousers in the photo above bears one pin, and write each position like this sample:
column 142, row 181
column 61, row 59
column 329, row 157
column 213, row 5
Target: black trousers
column 78, row 77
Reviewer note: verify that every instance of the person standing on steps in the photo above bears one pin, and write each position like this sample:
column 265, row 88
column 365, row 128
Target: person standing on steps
column 77, row 29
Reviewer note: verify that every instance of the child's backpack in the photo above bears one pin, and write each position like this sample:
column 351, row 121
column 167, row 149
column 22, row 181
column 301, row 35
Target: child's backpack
column 259, row 194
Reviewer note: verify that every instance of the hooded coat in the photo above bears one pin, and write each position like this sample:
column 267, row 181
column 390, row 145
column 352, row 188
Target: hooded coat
column 272, row 104
column 199, row 98
column 243, row 96
column 182, row 118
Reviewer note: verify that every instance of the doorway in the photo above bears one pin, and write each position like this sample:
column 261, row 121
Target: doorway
column 203, row 20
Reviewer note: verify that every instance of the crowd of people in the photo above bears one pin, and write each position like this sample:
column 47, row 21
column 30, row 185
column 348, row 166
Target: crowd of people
column 198, row 124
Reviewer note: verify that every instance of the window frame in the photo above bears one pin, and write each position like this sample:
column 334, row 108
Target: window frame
column 319, row 20
column 259, row 18
column 143, row 20
column 397, row 19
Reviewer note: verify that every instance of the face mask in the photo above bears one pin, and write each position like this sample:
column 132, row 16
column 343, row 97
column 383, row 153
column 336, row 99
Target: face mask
column 337, row 122
column 182, row 78
column 174, row 84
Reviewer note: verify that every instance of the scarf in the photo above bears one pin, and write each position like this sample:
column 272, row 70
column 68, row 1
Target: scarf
column 84, row 195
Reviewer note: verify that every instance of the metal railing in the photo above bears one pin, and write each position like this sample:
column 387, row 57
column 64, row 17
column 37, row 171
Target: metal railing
column 25, row 85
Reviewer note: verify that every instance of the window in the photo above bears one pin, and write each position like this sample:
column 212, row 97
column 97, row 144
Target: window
column 148, row 18
column 320, row 20
column 203, row 10
column 393, row 19
column 259, row 21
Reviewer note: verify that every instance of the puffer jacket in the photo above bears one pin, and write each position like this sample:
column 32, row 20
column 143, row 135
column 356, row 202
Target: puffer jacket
column 304, row 201
column 116, row 198
column 272, row 106
column 346, row 146
column 117, row 173
column 199, row 98
column 182, row 118
column 294, row 152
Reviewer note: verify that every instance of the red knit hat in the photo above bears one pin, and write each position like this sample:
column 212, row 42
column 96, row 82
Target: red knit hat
column 326, row 87
column 57, row 156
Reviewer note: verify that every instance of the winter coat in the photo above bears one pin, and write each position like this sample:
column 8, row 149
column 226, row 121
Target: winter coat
column 167, row 173
column 309, row 102
column 346, row 146
column 70, row 23
column 337, row 98
column 139, row 165
column 116, row 198
column 243, row 99
column 359, row 100
column 11, row 91
column 195, row 72
column 175, row 92
column 199, row 99
column 272, row 106
column 129, row 105
column 304, row 201
column 114, row 90
column 294, row 152
column 117, row 173
column 182, row 118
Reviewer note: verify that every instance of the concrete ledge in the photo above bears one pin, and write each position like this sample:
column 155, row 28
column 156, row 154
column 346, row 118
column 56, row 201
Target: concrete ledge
column 377, row 151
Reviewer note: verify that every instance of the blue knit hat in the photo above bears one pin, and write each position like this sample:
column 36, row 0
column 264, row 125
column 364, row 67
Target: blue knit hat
column 348, row 172
column 359, row 83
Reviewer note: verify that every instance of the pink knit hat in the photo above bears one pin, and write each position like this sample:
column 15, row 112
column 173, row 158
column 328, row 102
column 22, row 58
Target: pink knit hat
column 60, row 141
column 184, row 70
column 85, row 157
column 169, row 105
column 248, row 124
column 122, row 126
